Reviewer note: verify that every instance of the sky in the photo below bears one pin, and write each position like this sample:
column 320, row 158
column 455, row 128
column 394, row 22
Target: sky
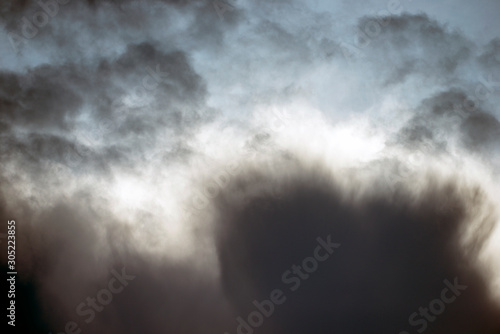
column 249, row 166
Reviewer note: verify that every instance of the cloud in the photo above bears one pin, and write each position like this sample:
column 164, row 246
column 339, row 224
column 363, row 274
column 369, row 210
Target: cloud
column 450, row 116
column 205, row 149
column 87, row 115
column 409, row 45
column 397, row 248
column 395, row 251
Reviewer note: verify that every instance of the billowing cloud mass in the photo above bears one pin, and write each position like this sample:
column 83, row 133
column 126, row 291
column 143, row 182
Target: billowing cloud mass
column 251, row 166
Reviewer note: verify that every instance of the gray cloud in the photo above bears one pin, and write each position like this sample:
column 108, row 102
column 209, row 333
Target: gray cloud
column 411, row 45
column 164, row 90
column 395, row 253
column 116, row 115
column 449, row 116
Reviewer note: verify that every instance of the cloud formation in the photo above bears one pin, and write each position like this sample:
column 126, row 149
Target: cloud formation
column 204, row 147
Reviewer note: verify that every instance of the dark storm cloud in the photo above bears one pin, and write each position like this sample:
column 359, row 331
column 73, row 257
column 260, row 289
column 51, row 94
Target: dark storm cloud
column 410, row 44
column 176, row 90
column 127, row 83
column 448, row 116
column 481, row 132
column 491, row 55
column 49, row 153
column 10, row 7
column 52, row 95
column 46, row 101
column 126, row 101
column 395, row 253
column 160, row 297
column 461, row 107
column 44, row 25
